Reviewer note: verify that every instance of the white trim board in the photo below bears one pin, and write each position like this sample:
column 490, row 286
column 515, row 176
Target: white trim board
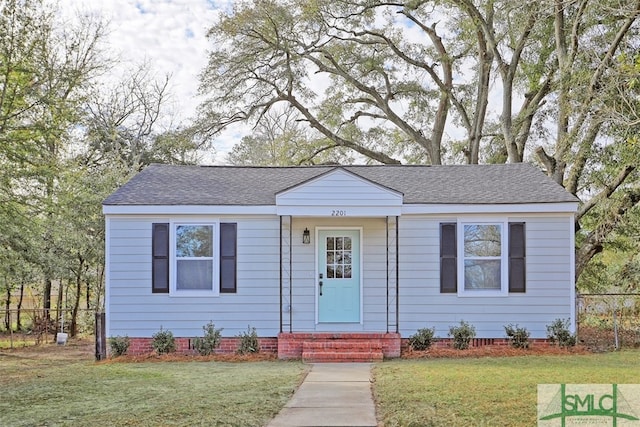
column 345, row 210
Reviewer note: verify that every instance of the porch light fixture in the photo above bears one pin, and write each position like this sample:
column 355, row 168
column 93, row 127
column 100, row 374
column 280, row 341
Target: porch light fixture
column 306, row 237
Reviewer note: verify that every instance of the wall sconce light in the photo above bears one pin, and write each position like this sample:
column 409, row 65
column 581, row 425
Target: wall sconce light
column 306, row 237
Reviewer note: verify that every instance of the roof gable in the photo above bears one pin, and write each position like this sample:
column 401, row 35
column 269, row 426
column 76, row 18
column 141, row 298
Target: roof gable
column 339, row 192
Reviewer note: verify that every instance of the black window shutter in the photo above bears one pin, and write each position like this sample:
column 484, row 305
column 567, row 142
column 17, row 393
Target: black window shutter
column 160, row 258
column 517, row 260
column 228, row 245
column 448, row 261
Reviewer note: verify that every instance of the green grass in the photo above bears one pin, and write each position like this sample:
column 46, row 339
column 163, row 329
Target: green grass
column 487, row 391
column 49, row 390
column 18, row 341
column 52, row 385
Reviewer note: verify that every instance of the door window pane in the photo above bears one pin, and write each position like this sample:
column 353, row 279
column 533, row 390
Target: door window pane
column 331, row 274
column 330, row 243
column 339, row 258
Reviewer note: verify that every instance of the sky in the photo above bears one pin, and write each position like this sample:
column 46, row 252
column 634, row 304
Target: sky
column 168, row 34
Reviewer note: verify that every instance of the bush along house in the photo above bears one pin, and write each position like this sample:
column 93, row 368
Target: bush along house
column 337, row 262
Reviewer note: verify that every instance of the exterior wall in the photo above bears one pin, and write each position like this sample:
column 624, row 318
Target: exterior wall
column 548, row 285
column 134, row 311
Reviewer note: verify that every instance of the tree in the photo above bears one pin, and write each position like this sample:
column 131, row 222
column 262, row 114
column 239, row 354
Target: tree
column 45, row 69
column 280, row 140
column 127, row 123
column 68, row 138
column 535, row 81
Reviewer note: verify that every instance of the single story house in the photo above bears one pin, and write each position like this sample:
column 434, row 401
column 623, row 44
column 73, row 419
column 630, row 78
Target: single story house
column 317, row 257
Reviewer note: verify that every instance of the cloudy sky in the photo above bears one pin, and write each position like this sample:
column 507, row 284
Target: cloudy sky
column 171, row 36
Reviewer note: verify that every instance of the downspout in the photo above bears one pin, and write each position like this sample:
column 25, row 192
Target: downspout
column 397, row 274
column 281, row 319
column 290, row 274
column 387, row 236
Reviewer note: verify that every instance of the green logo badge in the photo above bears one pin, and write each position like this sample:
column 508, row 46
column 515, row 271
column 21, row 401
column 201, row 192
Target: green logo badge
column 588, row 404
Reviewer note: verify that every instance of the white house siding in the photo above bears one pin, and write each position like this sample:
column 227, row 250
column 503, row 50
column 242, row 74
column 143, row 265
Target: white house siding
column 134, row 311
column 374, row 275
column 548, row 282
column 356, row 197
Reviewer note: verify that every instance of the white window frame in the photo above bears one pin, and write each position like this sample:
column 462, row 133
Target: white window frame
column 173, row 261
column 504, row 258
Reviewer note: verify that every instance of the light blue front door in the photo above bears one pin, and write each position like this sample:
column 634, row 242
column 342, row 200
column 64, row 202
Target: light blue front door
column 339, row 276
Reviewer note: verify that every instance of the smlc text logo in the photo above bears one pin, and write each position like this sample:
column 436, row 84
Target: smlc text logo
column 588, row 404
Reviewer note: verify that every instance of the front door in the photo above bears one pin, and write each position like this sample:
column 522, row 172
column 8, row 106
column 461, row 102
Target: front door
column 339, row 275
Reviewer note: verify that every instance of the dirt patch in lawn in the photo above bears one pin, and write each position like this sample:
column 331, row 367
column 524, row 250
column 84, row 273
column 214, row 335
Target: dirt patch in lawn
column 74, row 349
column 492, row 351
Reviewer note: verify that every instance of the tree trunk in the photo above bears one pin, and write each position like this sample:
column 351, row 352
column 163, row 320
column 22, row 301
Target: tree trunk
column 59, row 313
column 46, row 303
column 73, row 327
column 19, row 308
column 88, row 294
column 99, row 287
column 7, row 315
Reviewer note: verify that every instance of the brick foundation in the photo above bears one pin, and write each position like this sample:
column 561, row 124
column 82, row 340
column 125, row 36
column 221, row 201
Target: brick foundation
column 139, row 346
column 477, row 342
column 290, row 345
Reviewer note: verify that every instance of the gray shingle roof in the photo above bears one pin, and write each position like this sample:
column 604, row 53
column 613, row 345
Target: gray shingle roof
column 236, row 185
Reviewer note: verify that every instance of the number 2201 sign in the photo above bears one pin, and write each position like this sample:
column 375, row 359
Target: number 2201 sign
column 338, row 212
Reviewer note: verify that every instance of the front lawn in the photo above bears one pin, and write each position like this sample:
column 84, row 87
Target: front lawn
column 492, row 391
column 58, row 389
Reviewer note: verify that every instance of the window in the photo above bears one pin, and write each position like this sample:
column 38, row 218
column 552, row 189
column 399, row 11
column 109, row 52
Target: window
column 482, row 257
column 489, row 257
column 194, row 257
column 188, row 261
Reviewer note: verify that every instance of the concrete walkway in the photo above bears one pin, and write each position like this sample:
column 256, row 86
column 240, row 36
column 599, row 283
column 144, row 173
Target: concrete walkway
column 332, row 394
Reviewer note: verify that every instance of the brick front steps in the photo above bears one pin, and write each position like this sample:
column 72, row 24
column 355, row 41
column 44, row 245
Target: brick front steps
column 338, row 347
column 342, row 351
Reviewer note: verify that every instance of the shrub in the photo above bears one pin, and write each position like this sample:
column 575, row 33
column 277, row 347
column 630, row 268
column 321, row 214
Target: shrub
column 163, row 342
column 422, row 339
column 209, row 342
column 518, row 337
column 558, row 332
column 462, row 335
column 119, row 345
column 248, row 341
